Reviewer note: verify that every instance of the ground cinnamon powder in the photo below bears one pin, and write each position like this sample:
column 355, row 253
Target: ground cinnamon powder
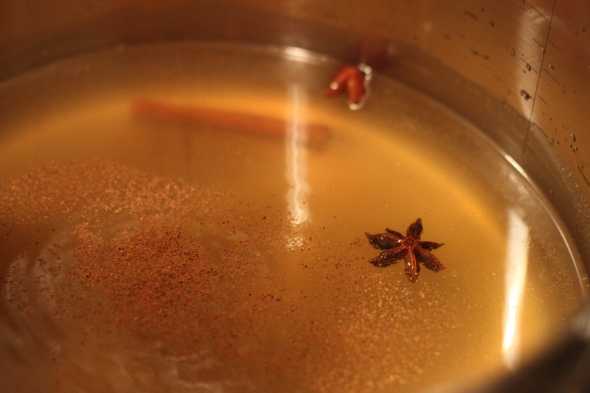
column 157, row 266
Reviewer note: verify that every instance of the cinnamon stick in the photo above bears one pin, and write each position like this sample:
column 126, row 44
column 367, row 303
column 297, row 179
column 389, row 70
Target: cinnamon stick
column 315, row 134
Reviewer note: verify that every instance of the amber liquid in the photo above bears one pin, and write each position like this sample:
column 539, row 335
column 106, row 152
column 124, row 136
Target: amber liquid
column 146, row 253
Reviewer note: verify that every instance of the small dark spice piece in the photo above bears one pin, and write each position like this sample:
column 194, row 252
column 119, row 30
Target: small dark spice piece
column 396, row 246
column 354, row 81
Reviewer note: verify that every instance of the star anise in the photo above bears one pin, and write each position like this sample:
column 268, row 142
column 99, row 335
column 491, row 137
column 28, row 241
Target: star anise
column 396, row 246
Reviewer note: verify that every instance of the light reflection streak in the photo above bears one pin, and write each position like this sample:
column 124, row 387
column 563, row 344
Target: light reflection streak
column 532, row 27
column 296, row 166
column 298, row 54
column 515, row 279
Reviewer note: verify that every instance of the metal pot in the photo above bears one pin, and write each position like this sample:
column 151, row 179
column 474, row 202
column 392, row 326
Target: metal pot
column 526, row 63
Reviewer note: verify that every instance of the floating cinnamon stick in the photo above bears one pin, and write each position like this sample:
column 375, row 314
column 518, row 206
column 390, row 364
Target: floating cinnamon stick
column 313, row 134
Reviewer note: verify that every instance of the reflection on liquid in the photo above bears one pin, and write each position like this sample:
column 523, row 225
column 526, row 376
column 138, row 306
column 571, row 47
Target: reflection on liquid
column 296, row 167
column 516, row 268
